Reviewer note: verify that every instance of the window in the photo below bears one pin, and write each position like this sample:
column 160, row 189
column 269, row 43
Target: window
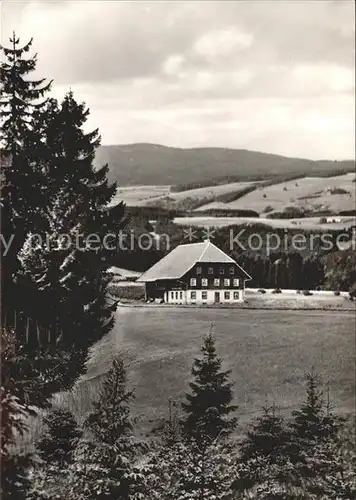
column 216, row 282
column 236, row 282
column 227, row 295
column 236, row 295
column 231, row 270
column 176, row 295
column 204, row 282
column 222, row 270
column 172, row 295
column 210, row 270
column 199, row 270
column 193, row 295
column 181, row 295
column 193, row 282
column 226, row 282
column 204, row 295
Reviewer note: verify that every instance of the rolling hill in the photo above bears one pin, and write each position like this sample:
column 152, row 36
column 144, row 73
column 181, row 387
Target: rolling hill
column 151, row 164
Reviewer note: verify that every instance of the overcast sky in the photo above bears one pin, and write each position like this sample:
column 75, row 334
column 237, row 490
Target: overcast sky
column 274, row 76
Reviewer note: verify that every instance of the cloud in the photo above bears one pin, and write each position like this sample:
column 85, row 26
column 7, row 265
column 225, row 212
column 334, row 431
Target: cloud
column 239, row 74
column 222, row 43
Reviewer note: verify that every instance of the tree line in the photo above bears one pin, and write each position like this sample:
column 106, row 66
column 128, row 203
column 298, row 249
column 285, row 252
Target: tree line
column 52, row 200
column 54, row 298
column 192, row 454
column 312, row 268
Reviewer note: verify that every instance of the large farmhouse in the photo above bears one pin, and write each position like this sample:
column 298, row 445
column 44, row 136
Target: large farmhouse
column 196, row 273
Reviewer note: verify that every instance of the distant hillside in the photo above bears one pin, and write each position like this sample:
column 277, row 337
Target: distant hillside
column 160, row 165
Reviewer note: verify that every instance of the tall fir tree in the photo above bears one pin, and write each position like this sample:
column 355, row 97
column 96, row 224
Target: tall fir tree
column 22, row 180
column 208, row 407
column 54, row 295
column 65, row 273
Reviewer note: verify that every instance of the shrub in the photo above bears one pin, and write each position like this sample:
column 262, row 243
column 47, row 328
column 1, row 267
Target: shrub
column 307, row 293
column 277, row 290
column 261, row 290
column 337, row 190
column 337, row 293
column 268, row 209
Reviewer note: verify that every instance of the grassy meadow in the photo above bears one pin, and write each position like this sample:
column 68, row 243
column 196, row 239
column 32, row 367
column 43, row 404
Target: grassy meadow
column 333, row 194
column 307, row 223
column 268, row 353
column 137, row 195
column 312, row 193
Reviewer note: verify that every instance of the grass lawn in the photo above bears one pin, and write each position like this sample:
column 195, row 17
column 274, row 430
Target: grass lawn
column 268, row 353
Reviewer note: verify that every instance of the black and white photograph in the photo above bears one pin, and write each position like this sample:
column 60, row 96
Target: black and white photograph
column 177, row 250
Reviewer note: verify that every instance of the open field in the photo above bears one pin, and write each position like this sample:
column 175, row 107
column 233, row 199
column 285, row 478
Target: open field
column 134, row 195
column 311, row 193
column 162, row 195
column 291, row 299
column 311, row 223
column 268, row 353
column 203, row 194
column 333, row 194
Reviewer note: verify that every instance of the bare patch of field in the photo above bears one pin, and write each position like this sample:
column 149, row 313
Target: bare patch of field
column 334, row 194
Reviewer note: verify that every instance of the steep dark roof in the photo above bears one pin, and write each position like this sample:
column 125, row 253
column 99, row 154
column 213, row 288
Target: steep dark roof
column 180, row 260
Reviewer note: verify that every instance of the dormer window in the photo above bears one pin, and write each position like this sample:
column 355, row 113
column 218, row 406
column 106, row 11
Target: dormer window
column 210, row 270
column 222, row 270
column 231, row 270
column 199, row 270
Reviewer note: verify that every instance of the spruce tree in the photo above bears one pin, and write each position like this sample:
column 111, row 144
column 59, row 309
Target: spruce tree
column 65, row 274
column 60, row 438
column 267, row 437
column 111, row 418
column 264, row 455
column 22, row 179
column 314, row 421
column 314, row 432
column 104, row 463
column 208, row 407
